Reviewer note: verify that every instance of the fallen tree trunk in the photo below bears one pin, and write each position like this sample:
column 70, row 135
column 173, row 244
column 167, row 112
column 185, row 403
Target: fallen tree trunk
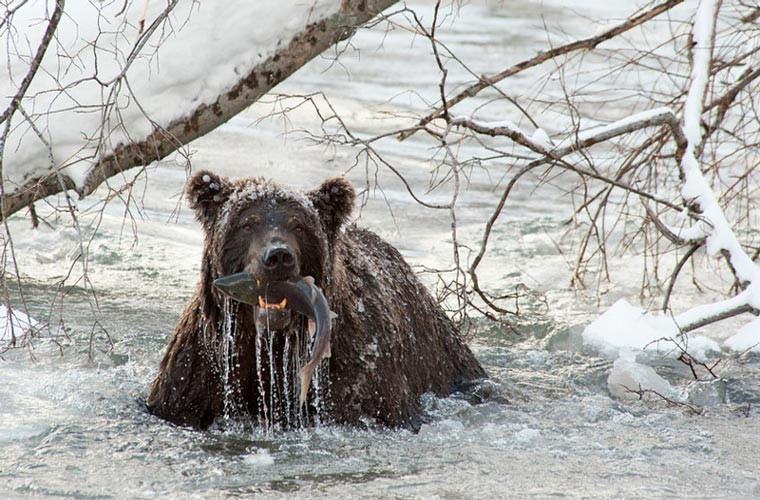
column 312, row 41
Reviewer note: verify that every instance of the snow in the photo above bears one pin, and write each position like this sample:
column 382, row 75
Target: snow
column 702, row 34
column 15, row 324
column 694, row 233
column 623, row 123
column 201, row 50
column 541, row 138
column 265, row 190
column 625, row 328
column 720, row 236
column 747, row 338
column 506, row 124
column 699, row 312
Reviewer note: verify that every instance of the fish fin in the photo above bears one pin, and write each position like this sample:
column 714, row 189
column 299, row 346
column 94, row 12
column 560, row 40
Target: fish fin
column 309, row 280
column 306, row 373
column 328, row 351
column 333, row 315
column 312, row 327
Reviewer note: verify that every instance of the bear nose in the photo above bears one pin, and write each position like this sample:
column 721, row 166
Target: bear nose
column 278, row 257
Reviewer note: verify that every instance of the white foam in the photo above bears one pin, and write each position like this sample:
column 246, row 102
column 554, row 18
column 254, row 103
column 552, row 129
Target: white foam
column 260, row 458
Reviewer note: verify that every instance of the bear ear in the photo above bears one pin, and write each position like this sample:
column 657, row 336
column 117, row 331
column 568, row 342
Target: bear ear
column 207, row 192
column 334, row 200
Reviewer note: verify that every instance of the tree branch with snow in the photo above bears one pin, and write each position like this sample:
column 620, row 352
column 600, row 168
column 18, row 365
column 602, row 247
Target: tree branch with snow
column 155, row 99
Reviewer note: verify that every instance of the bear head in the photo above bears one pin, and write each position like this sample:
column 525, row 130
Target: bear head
column 272, row 232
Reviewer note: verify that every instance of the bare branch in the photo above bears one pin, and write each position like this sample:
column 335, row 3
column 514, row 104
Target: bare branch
column 676, row 272
column 34, row 65
column 585, row 44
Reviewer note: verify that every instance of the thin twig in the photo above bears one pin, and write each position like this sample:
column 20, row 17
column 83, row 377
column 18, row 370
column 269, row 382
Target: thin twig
column 584, row 44
column 676, row 272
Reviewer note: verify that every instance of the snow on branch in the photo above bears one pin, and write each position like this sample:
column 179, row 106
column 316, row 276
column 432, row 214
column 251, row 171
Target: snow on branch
column 124, row 84
column 720, row 237
column 713, row 225
column 696, row 190
column 540, row 143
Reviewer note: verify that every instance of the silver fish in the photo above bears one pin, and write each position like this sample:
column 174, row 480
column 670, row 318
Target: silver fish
column 302, row 296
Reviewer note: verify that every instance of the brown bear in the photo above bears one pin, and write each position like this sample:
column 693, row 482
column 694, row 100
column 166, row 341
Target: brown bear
column 391, row 342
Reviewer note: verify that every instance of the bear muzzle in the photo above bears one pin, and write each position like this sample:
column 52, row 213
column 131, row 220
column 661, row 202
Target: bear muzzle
column 277, row 262
column 279, row 258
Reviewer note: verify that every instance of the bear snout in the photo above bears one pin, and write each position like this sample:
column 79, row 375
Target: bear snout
column 278, row 256
column 279, row 262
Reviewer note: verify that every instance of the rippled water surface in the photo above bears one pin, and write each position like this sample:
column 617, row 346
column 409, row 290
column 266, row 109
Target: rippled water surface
column 72, row 421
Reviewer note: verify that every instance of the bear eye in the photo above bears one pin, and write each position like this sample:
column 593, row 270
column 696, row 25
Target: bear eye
column 248, row 224
column 297, row 226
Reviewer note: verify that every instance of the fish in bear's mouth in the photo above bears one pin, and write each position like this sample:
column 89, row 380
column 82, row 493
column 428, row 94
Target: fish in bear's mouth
column 272, row 304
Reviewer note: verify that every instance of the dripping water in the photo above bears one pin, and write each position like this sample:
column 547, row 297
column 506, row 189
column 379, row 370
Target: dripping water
column 263, row 410
column 273, row 410
column 317, row 397
column 301, row 410
column 286, row 381
column 272, row 376
column 229, row 359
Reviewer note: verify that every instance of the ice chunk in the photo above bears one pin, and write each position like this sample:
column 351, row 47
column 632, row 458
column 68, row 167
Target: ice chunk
column 708, row 392
column 627, row 375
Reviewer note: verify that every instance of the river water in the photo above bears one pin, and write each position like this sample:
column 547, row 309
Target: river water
column 73, row 423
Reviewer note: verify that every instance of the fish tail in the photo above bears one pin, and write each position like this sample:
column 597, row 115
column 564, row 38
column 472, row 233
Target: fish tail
column 306, row 373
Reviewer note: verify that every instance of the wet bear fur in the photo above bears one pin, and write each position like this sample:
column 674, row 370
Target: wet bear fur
column 391, row 342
